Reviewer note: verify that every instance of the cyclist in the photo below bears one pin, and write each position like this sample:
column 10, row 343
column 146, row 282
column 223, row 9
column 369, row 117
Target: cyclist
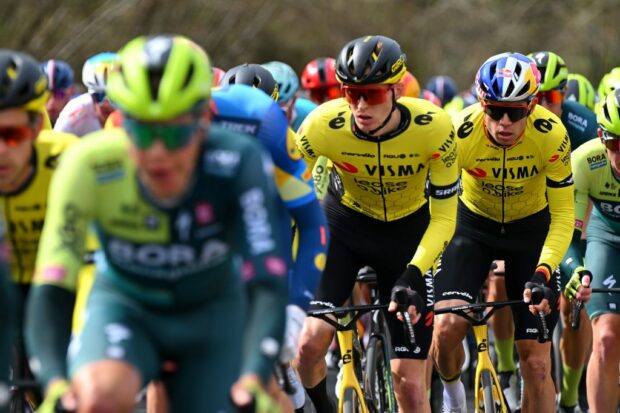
column 240, row 107
column 191, row 269
column 444, row 87
column 28, row 157
column 382, row 147
column 609, row 82
column 89, row 111
column 516, row 205
column 580, row 89
column 580, row 122
column 596, row 166
column 295, row 107
column 60, row 84
column 319, row 80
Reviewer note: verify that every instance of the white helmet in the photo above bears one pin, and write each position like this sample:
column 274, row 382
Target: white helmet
column 96, row 69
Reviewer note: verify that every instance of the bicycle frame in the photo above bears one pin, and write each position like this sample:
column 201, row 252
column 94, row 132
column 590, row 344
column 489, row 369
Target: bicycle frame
column 349, row 378
column 474, row 313
column 485, row 363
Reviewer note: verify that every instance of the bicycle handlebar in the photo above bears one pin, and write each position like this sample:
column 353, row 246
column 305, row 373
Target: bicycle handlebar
column 356, row 311
column 578, row 305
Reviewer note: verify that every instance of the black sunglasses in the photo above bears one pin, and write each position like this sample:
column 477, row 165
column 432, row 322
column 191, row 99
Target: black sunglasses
column 515, row 113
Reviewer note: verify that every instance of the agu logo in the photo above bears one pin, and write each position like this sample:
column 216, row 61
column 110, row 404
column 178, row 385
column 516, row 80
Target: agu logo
column 554, row 158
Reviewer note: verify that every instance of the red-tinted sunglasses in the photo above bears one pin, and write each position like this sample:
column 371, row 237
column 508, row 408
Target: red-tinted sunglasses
column 514, row 112
column 611, row 141
column 373, row 95
column 324, row 94
column 551, row 96
column 14, row 135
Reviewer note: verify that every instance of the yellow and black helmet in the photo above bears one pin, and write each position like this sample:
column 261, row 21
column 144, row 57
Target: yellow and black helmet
column 371, row 60
column 22, row 82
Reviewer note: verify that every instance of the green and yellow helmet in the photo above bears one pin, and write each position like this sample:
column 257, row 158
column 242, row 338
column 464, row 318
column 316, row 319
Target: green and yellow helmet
column 579, row 89
column 608, row 113
column 160, row 77
column 609, row 83
column 553, row 71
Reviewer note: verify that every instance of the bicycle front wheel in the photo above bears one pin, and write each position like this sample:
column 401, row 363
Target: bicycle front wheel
column 488, row 401
column 377, row 377
column 351, row 403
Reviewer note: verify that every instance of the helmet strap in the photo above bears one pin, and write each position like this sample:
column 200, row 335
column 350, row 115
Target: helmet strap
column 389, row 116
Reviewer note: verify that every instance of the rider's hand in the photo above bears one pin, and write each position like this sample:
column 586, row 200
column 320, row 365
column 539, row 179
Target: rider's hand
column 579, row 285
column 249, row 396
column 539, row 280
column 58, row 393
column 407, row 292
column 295, row 318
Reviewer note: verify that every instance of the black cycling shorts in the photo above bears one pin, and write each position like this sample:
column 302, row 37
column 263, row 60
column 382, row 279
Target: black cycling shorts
column 356, row 240
column 476, row 243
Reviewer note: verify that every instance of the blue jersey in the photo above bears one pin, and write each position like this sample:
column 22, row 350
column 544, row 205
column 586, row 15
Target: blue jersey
column 580, row 123
column 249, row 110
column 301, row 109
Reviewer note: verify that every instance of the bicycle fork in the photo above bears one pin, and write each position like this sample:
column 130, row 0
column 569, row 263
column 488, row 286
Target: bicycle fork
column 349, row 378
column 485, row 364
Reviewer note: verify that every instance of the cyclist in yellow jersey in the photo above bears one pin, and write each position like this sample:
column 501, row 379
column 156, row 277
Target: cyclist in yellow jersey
column 516, row 205
column 28, row 157
column 383, row 148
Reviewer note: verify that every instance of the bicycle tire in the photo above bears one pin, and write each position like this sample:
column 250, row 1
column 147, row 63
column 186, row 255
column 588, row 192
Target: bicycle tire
column 487, row 392
column 351, row 403
column 376, row 387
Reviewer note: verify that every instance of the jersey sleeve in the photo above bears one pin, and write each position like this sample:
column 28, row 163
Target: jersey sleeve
column 574, row 255
column 560, row 186
column 264, row 269
column 309, row 137
column 443, row 185
column 60, row 256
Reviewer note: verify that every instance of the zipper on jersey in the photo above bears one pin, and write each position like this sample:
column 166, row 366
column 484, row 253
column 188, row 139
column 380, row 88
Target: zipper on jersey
column 502, row 229
column 381, row 179
column 14, row 250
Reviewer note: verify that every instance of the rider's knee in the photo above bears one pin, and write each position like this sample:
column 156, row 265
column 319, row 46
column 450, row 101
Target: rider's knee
column 313, row 344
column 607, row 345
column 98, row 392
column 412, row 393
column 535, row 368
column 449, row 330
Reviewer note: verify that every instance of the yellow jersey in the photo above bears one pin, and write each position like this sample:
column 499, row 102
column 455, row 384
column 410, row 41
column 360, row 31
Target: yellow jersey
column 390, row 176
column 23, row 210
column 506, row 184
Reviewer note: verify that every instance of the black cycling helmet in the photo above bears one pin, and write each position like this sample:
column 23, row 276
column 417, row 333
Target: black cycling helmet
column 253, row 75
column 22, row 82
column 371, row 60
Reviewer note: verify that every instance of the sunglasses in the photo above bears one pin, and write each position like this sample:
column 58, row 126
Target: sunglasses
column 611, row 141
column 99, row 97
column 14, row 135
column 324, row 94
column 173, row 136
column 372, row 95
column 515, row 113
column 551, row 96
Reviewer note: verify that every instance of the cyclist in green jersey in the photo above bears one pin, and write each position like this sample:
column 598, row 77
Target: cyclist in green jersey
column 191, row 269
column 596, row 167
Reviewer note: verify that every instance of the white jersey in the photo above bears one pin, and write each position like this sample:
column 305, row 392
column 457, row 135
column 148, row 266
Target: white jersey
column 78, row 116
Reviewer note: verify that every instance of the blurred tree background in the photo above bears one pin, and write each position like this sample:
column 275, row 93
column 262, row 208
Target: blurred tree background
column 450, row 37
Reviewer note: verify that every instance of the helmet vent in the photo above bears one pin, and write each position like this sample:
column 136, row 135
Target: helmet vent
column 154, row 82
column 188, row 76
